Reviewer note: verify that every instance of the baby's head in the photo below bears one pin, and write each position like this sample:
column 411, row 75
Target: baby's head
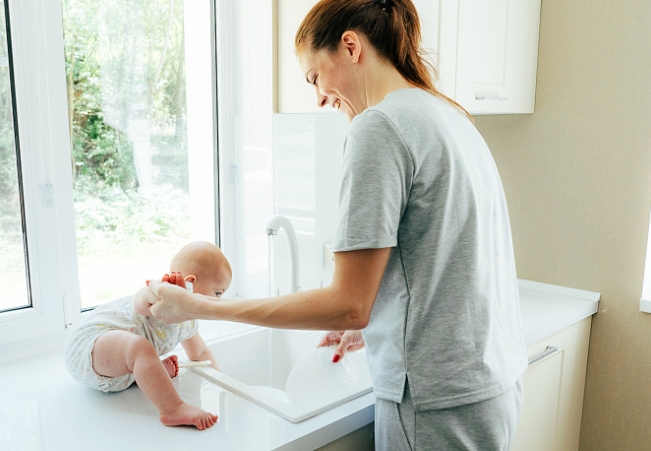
column 204, row 265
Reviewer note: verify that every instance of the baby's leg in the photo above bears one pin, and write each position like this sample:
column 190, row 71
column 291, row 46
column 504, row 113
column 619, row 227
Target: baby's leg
column 119, row 352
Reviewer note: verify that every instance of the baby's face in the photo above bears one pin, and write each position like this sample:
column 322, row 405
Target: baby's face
column 213, row 286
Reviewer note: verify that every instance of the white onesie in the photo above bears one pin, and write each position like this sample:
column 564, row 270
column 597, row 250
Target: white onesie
column 118, row 315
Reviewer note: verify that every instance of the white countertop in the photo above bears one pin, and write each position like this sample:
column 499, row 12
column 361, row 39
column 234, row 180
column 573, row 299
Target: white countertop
column 44, row 409
column 546, row 309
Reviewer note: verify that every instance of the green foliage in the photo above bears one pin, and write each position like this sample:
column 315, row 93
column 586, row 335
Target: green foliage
column 8, row 167
column 99, row 151
column 124, row 68
column 107, row 213
column 125, row 65
column 102, row 153
column 10, row 220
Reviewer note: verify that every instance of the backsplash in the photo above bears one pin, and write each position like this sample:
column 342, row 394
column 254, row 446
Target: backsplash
column 289, row 165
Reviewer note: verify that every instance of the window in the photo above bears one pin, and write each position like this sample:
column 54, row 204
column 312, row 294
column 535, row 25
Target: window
column 109, row 148
column 140, row 101
column 13, row 269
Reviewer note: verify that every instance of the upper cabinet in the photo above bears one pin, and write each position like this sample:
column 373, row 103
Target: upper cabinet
column 485, row 52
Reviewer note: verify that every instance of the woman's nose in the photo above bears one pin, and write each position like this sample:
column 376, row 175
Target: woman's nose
column 321, row 100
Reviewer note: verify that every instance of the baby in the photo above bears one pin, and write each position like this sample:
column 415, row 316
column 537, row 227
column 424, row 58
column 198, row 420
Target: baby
column 121, row 342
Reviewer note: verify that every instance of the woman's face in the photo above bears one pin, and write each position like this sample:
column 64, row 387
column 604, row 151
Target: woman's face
column 333, row 74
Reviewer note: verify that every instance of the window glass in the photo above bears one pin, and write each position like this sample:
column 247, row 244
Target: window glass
column 140, row 91
column 12, row 264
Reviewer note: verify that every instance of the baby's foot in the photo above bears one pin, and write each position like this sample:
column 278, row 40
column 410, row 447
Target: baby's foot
column 187, row 414
column 171, row 364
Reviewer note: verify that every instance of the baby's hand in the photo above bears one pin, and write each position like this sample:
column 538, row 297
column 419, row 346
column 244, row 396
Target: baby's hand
column 175, row 278
column 145, row 300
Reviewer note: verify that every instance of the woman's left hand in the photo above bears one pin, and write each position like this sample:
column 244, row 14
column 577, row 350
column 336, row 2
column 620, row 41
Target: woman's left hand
column 345, row 341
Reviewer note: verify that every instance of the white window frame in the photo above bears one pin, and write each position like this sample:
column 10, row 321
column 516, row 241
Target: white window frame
column 42, row 119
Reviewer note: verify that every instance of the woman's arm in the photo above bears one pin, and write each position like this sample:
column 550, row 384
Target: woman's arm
column 345, row 304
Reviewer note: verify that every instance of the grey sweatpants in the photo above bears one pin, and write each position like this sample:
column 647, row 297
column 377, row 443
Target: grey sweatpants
column 483, row 426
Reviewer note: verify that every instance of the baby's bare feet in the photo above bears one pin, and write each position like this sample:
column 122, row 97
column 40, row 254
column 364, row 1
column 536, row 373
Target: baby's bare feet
column 186, row 414
column 171, row 364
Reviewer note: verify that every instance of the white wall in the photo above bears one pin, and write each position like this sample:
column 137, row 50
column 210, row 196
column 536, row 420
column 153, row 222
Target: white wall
column 307, row 155
column 271, row 164
column 577, row 175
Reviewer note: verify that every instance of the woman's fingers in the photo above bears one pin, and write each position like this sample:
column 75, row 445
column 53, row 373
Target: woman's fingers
column 331, row 338
column 349, row 341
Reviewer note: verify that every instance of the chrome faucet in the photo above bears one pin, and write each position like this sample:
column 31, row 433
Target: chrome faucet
column 281, row 222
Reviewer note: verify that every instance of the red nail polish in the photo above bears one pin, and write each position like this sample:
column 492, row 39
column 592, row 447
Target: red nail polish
column 335, row 358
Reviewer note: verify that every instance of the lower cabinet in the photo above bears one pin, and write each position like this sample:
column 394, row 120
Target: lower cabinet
column 553, row 391
column 553, row 396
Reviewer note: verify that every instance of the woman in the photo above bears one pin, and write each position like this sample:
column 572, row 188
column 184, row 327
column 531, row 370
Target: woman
column 424, row 263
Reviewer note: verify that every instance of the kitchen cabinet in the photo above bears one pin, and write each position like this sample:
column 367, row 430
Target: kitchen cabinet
column 553, row 391
column 485, row 52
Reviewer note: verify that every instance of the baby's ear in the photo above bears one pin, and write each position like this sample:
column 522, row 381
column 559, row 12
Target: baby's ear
column 190, row 278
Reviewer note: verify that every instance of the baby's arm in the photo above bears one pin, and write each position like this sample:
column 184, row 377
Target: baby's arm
column 196, row 349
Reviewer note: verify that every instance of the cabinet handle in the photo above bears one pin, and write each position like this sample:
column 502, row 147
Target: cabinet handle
column 549, row 350
column 496, row 98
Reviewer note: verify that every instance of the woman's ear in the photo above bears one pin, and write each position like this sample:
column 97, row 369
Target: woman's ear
column 352, row 44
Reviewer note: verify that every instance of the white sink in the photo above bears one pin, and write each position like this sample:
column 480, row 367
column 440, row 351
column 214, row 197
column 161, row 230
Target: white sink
column 257, row 364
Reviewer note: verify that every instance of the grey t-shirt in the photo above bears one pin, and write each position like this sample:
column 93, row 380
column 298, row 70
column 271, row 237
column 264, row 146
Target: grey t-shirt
column 419, row 178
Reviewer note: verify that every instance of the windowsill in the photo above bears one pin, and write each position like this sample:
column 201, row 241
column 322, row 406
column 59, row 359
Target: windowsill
column 45, row 344
column 55, row 342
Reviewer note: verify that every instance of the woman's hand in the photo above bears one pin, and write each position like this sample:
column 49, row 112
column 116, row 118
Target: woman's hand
column 346, row 341
column 172, row 300
column 145, row 298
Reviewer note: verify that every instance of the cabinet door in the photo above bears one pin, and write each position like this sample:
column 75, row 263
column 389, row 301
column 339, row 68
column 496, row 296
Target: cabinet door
column 497, row 53
column 542, row 387
column 553, row 392
column 293, row 94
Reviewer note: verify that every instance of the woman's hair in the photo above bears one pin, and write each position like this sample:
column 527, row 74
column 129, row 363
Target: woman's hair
column 391, row 26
